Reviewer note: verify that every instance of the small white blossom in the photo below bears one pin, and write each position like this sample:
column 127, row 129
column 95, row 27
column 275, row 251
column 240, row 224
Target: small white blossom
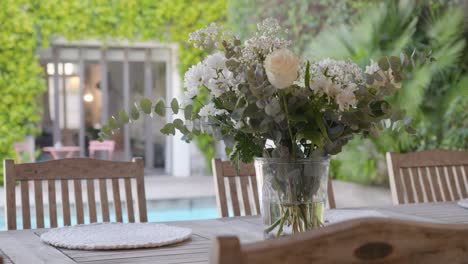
column 197, row 76
column 216, row 61
column 210, row 110
column 342, row 72
column 372, row 68
column 346, row 98
column 322, row 85
column 265, row 41
column 191, row 92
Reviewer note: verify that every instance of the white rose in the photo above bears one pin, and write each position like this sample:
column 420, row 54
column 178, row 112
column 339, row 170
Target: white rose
column 282, row 68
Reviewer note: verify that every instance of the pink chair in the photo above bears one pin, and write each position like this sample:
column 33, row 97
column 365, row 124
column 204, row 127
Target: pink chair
column 26, row 146
column 107, row 146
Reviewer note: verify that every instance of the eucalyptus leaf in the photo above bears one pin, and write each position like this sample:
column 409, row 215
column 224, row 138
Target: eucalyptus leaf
column 188, row 112
column 168, row 129
column 383, row 64
column 160, row 108
column 175, row 106
column 106, row 130
column 145, row 105
column 135, row 113
column 113, row 123
column 178, row 123
column 123, row 117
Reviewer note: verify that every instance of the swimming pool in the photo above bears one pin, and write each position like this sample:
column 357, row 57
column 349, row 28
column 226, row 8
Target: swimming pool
column 158, row 211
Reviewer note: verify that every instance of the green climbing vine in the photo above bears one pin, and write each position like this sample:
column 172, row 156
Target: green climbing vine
column 27, row 25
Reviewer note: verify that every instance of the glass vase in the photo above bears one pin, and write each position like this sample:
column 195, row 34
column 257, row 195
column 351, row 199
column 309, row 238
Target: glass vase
column 294, row 194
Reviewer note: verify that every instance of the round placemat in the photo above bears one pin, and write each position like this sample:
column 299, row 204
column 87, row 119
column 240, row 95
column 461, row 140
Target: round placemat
column 115, row 236
column 463, row 203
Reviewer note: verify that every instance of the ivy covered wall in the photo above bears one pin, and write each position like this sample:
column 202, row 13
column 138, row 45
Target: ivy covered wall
column 27, row 25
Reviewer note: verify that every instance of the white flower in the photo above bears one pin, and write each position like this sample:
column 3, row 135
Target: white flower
column 282, row 68
column 216, row 61
column 342, row 72
column 196, row 76
column 210, row 110
column 346, row 98
column 372, row 68
column 322, row 85
column 191, row 92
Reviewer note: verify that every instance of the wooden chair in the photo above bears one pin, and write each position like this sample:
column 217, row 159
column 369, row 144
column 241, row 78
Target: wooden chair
column 24, row 147
column 248, row 188
column 365, row 240
column 107, row 146
column 428, row 176
column 73, row 170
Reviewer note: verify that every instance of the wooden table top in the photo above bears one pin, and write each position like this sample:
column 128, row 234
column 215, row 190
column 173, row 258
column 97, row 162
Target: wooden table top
column 24, row 246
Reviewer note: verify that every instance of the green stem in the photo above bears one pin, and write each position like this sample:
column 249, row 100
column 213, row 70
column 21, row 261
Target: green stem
column 285, row 105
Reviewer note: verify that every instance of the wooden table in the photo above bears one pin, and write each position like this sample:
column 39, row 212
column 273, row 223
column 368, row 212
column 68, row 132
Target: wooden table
column 68, row 151
column 24, row 246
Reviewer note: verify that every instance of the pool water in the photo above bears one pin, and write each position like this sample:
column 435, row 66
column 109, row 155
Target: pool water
column 158, row 211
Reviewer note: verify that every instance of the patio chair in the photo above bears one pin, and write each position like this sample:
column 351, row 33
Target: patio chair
column 428, row 176
column 248, row 191
column 365, row 240
column 106, row 146
column 74, row 170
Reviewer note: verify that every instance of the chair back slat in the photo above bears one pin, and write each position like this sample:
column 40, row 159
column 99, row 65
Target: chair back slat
column 234, row 198
column 443, row 183
column 408, row 184
column 39, row 203
column 78, row 201
column 253, row 181
column 416, row 181
column 104, row 200
column 10, row 194
column 244, row 183
column 436, row 185
column 79, row 171
column 129, row 198
column 426, row 184
column 427, row 176
column 65, row 203
column 220, row 189
column 117, row 202
column 52, row 203
column 91, row 200
column 25, row 208
column 458, row 170
column 365, row 240
column 140, row 184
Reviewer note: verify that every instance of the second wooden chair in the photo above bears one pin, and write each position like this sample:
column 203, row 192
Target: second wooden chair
column 248, row 192
column 436, row 175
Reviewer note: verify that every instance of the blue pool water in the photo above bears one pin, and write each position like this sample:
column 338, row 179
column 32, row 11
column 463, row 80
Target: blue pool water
column 158, row 211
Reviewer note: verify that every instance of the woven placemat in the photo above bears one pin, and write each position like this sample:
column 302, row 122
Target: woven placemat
column 115, row 236
column 463, row 203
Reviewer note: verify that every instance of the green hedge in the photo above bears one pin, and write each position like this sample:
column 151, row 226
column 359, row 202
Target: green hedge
column 26, row 25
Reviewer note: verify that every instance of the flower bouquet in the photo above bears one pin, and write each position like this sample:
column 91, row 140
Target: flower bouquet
column 289, row 113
